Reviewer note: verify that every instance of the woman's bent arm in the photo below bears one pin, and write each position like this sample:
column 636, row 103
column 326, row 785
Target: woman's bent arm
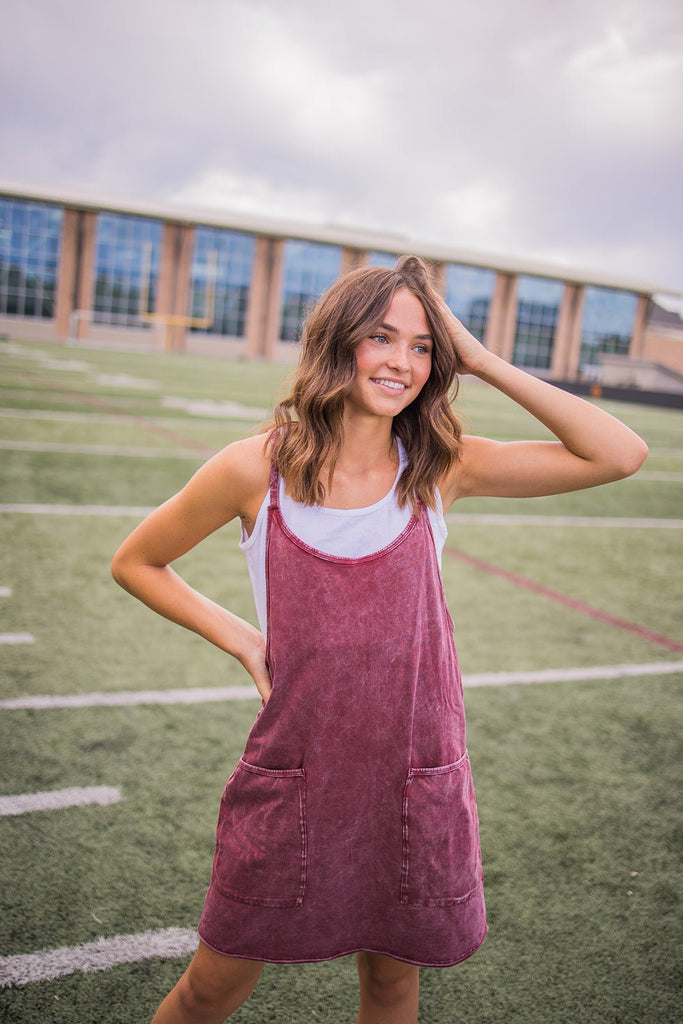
column 592, row 447
column 231, row 484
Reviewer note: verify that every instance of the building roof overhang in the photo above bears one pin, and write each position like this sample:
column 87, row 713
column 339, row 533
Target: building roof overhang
column 330, row 234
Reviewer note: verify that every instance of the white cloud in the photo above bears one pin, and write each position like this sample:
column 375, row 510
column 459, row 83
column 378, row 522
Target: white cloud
column 618, row 85
column 477, row 208
column 253, row 194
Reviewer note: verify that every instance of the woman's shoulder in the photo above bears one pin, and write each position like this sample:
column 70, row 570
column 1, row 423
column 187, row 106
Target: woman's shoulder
column 246, row 463
column 249, row 455
column 235, row 479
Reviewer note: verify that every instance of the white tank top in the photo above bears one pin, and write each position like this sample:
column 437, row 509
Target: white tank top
column 342, row 532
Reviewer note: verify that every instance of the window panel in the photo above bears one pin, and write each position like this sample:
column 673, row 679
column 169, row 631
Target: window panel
column 310, row 269
column 607, row 325
column 469, row 291
column 224, row 259
column 538, row 308
column 127, row 259
column 30, row 234
column 378, row 258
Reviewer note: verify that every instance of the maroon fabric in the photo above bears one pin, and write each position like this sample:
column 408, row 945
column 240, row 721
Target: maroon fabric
column 350, row 822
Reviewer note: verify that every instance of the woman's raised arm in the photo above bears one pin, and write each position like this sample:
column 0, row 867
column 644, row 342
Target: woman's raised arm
column 592, row 447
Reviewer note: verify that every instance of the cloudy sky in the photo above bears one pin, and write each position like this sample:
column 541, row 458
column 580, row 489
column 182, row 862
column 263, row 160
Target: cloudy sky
column 528, row 128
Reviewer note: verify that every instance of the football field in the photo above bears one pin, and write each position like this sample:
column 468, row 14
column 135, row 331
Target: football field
column 118, row 729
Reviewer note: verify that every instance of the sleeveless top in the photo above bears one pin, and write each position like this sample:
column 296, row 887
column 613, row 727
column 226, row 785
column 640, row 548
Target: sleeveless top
column 344, row 533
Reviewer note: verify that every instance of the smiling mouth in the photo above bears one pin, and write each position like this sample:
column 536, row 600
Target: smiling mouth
column 393, row 384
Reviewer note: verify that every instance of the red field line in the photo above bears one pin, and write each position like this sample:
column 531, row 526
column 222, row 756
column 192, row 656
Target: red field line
column 564, row 599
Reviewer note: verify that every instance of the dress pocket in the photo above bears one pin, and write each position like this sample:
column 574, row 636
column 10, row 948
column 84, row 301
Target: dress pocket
column 441, row 853
column 261, row 837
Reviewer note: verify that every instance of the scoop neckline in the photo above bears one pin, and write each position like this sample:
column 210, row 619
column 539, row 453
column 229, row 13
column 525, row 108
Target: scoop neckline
column 357, row 511
column 325, row 556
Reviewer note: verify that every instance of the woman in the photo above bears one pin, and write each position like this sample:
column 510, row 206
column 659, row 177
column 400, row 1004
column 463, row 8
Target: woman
column 350, row 824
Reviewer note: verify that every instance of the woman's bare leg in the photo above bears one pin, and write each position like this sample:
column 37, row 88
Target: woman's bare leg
column 212, row 987
column 389, row 990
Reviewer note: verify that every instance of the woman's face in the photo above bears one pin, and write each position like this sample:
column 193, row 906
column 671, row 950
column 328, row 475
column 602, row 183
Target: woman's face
column 394, row 362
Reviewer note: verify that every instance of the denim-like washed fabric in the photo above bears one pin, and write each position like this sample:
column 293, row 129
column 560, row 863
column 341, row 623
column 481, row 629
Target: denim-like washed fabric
column 350, row 821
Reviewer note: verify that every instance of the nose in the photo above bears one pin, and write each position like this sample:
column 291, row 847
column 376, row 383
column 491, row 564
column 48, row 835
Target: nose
column 398, row 358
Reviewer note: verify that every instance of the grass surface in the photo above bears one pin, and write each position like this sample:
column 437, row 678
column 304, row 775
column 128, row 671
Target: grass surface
column 578, row 783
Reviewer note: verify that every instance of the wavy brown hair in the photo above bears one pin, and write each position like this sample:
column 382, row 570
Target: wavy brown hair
column 307, row 430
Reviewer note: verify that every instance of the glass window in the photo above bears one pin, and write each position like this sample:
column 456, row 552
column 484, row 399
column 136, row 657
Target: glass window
column 30, row 234
column 221, row 263
column 607, row 325
column 469, row 291
column 310, row 269
column 377, row 258
column 538, row 307
column 127, row 258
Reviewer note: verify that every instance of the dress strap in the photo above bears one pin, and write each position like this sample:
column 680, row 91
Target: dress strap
column 274, row 487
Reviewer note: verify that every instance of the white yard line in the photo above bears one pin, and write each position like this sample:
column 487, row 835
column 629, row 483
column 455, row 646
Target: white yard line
column 58, row 799
column 566, row 675
column 167, row 943
column 54, row 415
column 660, row 475
column 501, row 519
column 17, row 638
column 483, row 519
column 131, row 698
column 77, row 510
column 5, row 591
column 58, row 416
column 139, row 451
column 131, row 451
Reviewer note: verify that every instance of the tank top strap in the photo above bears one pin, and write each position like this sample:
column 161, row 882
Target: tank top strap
column 274, row 487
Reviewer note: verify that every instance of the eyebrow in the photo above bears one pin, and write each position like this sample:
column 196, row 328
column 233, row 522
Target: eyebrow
column 394, row 330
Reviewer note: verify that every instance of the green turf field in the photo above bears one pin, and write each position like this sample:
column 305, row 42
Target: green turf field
column 578, row 781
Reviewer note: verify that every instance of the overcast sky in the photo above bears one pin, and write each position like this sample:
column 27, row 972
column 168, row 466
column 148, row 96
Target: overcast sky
column 522, row 127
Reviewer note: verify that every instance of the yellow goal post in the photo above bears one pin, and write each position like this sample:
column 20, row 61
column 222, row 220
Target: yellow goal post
column 165, row 322
column 171, row 320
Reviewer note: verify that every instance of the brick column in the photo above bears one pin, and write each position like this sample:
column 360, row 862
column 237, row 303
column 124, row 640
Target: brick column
column 567, row 341
column 65, row 300
column 502, row 319
column 173, row 286
column 275, row 298
column 264, row 307
column 438, row 277
column 351, row 258
column 165, row 284
column 637, row 347
column 84, row 225
column 184, row 252
column 574, row 355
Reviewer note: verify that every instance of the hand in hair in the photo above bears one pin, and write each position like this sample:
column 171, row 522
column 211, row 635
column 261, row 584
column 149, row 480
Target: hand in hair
column 472, row 353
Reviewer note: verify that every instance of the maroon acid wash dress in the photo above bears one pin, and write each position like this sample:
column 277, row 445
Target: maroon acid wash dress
column 350, row 821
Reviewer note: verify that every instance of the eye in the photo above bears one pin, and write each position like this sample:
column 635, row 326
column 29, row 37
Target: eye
column 381, row 339
column 423, row 350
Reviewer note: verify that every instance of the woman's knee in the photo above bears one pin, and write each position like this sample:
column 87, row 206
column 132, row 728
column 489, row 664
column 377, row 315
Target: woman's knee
column 385, row 980
column 214, row 985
